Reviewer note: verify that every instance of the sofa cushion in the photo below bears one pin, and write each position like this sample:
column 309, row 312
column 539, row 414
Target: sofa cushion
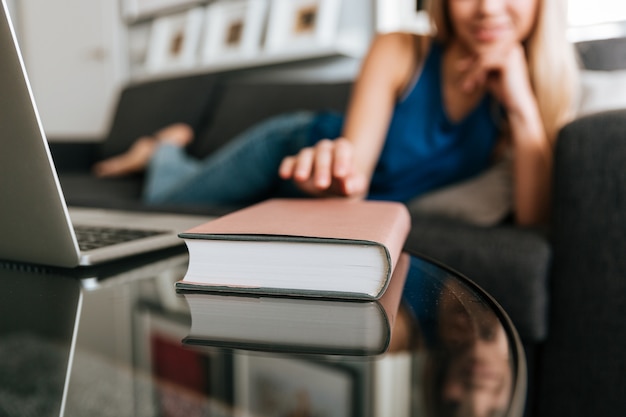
column 602, row 91
column 483, row 200
column 84, row 189
column 510, row 263
column 242, row 104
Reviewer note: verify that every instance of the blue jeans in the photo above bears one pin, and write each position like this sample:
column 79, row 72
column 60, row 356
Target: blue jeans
column 242, row 172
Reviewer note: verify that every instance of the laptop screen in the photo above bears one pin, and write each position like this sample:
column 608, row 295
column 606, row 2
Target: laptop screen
column 33, row 216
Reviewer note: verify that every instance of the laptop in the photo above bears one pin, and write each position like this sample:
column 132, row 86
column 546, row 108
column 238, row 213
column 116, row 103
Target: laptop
column 36, row 225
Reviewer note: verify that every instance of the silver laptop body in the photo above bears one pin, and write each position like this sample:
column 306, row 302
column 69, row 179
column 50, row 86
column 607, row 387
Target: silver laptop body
column 35, row 223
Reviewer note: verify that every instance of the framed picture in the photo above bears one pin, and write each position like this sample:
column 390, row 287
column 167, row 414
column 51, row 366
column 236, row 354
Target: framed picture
column 138, row 45
column 233, row 29
column 141, row 9
column 180, row 376
column 174, row 41
column 295, row 25
column 285, row 386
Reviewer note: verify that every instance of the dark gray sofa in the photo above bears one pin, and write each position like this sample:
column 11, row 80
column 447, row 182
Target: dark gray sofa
column 564, row 288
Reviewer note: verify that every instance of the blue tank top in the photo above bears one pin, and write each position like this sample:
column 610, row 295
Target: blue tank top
column 424, row 149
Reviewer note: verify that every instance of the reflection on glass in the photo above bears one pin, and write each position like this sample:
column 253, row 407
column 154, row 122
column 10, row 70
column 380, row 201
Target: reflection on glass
column 130, row 358
column 469, row 370
column 37, row 313
column 476, row 368
column 296, row 324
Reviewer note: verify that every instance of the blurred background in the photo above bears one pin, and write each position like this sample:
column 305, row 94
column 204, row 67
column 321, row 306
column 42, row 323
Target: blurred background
column 80, row 53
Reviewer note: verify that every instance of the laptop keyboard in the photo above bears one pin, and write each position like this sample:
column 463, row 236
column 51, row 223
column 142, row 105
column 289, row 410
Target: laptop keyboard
column 90, row 237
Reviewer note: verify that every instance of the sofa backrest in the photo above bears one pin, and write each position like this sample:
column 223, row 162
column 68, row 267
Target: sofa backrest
column 603, row 54
column 143, row 108
column 217, row 106
column 240, row 104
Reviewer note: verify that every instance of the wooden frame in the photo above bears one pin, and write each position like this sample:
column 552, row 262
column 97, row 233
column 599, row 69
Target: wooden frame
column 174, row 41
column 233, row 30
column 297, row 25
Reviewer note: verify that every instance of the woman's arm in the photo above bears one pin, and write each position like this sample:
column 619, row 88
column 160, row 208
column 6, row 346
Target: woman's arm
column 532, row 151
column 505, row 74
column 532, row 166
column 344, row 166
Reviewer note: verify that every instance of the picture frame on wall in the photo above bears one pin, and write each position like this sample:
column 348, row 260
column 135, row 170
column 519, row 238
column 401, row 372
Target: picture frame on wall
column 133, row 10
column 233, row 30
column 174, row 41
column 283, row 385
column 297, row 25
column 138, row 40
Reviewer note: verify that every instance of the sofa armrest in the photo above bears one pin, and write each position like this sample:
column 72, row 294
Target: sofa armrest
column 510, row 263
column 584, row 362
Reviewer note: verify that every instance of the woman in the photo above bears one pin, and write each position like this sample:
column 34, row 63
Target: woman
column 425, row 113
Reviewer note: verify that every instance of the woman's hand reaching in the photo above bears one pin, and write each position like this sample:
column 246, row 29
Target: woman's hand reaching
column 326, row 169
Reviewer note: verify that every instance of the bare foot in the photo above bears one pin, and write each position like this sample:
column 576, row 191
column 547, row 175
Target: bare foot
column 136, row 158
column 133, row 160
column 179, row 134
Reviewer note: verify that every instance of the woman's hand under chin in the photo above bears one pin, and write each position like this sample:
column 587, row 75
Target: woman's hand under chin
column 326, row 169
column 503, row 71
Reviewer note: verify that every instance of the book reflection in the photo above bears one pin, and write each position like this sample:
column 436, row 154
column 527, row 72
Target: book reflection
column 287, row 324
column 300, row 325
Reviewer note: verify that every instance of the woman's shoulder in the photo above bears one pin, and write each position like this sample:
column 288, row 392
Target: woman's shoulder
column 406, row 50
column 409, row 45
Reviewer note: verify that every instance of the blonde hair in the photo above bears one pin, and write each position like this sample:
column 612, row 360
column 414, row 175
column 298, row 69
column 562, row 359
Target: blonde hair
column 552, row 63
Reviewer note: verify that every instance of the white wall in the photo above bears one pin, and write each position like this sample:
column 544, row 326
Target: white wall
column 12, row 12
column 78, row 57
column 73, row 54
column 400, row 15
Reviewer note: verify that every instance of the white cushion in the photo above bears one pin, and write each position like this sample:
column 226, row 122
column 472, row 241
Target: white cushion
column 484, row 200
column 601, row 91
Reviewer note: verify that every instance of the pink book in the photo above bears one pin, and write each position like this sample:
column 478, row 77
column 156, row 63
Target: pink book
column 313, row 247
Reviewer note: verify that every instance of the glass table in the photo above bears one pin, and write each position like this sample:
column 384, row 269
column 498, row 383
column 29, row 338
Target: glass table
column 115, row 341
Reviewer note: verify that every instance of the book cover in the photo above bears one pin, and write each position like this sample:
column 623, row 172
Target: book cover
column 309, row 247
column 296, row 325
